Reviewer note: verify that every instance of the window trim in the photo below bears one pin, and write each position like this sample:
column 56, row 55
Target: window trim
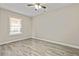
column 15, row 33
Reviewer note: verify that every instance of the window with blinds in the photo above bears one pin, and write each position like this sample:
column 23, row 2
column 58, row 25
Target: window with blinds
column 15, row 26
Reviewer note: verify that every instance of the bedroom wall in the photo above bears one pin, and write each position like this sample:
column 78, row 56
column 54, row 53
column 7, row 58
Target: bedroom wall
column 4, row 27
column 61, row 25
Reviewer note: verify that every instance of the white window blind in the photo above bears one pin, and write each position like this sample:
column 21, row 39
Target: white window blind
column 15, row 26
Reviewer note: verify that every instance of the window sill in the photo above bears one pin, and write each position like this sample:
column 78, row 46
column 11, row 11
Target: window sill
column 11, row 34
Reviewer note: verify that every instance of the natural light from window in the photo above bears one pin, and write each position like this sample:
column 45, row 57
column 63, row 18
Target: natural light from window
column 15, row 26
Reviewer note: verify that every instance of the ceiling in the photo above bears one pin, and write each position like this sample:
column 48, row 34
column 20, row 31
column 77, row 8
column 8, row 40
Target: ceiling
column 30, row 11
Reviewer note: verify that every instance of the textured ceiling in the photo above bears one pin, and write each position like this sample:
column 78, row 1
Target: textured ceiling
column 29, row 11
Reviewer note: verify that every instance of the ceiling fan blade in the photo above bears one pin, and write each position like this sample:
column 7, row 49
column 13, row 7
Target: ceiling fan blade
column 43, row 7
column 30, row 5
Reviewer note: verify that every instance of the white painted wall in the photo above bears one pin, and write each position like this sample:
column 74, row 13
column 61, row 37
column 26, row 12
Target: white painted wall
column 60, row 25
column 4, row 27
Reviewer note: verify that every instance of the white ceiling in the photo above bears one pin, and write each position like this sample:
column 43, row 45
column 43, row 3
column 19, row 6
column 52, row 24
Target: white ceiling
column 29, row 11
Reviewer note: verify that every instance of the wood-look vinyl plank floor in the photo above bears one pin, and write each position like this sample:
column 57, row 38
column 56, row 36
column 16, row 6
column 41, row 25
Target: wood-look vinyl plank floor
column 35, row 47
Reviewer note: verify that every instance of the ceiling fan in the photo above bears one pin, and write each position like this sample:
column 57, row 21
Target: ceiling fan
column 37, row 6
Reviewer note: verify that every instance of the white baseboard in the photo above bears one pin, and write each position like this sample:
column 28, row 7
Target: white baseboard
column 9, row 41
column 60, row 43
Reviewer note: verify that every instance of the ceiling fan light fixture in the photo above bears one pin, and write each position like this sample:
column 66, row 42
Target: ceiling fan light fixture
column 37, row 7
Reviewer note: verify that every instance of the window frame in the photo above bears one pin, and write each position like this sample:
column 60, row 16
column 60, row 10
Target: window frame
column 20, row 24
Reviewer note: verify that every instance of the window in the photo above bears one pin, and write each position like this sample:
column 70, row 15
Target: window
column 15, row 26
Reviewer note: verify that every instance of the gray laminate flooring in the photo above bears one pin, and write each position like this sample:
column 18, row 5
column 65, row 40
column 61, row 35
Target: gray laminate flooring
column 35, row 47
